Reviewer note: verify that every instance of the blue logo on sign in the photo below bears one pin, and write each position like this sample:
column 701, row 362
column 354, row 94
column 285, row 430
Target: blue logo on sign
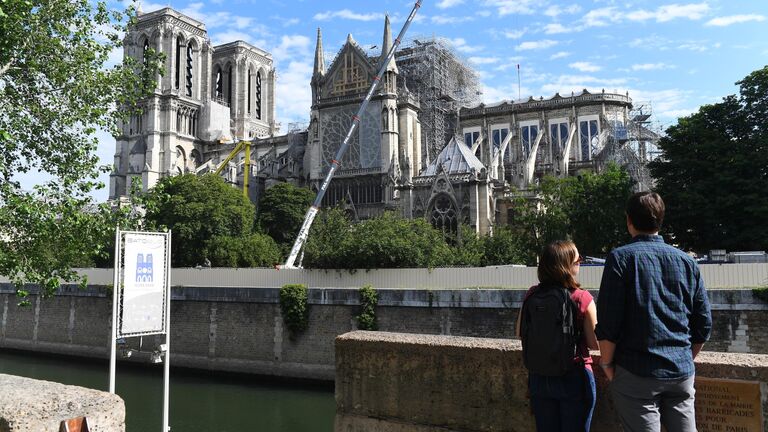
column 144, row 268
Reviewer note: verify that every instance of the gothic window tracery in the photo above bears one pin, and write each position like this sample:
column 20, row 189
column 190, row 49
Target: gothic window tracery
column 443, row 214
column 179, row 50
column 258, row 95
column 219, row 84
column 189, row 71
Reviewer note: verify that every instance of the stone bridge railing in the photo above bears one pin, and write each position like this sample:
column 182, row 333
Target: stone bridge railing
column 396, row 382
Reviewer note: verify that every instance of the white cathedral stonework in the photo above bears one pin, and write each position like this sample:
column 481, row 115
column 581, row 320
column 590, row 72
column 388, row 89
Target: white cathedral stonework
column 210, row 95
column 207, row 94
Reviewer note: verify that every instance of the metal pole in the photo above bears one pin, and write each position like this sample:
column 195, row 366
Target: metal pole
column 167, row 365
column 115, row 298
column 312, row 212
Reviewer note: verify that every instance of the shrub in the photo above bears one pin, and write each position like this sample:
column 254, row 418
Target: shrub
column 295, row 308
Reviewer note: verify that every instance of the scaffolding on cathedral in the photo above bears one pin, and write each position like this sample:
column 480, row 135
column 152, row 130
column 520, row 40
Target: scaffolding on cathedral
column 439, row 77
column 633, row 145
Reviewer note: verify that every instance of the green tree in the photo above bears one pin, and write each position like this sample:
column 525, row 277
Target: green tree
column 386, row 241
column 282, row 209
column 712, row 172
column 326, row 245
column 588, row 208
column 55, row 92
column 255, row 250
column 197, row 209
column 507, row 246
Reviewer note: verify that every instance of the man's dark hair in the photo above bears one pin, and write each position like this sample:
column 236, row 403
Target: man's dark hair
column 646, row 211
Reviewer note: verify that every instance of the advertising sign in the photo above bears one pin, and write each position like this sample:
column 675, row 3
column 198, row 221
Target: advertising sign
column 143, row 284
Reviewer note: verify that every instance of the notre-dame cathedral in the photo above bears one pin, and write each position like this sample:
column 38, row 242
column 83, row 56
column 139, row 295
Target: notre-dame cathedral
column 410, row 154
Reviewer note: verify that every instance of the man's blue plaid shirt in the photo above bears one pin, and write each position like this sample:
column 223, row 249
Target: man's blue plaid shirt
column 653, row 305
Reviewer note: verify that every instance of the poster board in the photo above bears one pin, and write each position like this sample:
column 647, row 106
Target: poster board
column 144, row 284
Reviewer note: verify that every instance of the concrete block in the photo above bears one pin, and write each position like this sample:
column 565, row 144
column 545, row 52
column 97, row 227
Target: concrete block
column 28, row 405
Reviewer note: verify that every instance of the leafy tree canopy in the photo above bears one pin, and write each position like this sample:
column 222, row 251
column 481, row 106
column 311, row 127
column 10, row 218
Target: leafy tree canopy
column 282, row 209
column 713, row 172
column 387, row 241
column 588, row 208
column 197, row 209
column 56, row 90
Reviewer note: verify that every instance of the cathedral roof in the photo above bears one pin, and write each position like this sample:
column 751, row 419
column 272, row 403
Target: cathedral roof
column 455, row 158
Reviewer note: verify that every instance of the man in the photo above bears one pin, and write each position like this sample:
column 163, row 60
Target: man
column 653, row 319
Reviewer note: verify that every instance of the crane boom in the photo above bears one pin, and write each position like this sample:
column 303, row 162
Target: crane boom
column 312, row 212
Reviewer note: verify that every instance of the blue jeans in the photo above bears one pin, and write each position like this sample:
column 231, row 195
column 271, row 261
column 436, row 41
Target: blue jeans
column 563, row 404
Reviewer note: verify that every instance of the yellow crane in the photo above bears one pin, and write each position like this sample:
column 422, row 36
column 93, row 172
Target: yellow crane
column 242, row 145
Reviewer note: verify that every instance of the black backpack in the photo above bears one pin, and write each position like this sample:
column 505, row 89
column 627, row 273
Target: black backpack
column 549, row 331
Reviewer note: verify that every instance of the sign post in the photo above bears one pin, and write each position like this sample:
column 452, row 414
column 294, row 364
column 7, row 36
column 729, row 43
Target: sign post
column 142, row 297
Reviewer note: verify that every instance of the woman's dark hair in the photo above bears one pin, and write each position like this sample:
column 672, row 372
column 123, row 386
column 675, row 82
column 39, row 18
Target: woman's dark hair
column 646, row 211
column 555, row 264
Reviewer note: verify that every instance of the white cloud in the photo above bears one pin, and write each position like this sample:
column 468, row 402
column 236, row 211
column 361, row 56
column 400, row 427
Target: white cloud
column 484, row 60
column 508, row 7
column 242, row 22
column 507, row 92
column 235, row 35
column 290, row 22
column 556, row 28
column 651, row 66
column 294, row 96
column 559, row 55
column 556, row 10
column 699, row 46
column 585, row 66
column 601, row 17
column 445, row 4
column 692, row 11
column 734, row 19
column 348, row 14
column 515, row 34
column 536, row 45
column 443, row 19
column 292, row 46
column 565, row 84
column 461, row 45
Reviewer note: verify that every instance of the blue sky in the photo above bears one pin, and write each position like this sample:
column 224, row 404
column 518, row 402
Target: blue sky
column 675, row 55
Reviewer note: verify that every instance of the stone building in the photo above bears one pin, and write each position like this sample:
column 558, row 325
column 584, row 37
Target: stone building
column 207, row 95
column 386, row 146
column 212, row 97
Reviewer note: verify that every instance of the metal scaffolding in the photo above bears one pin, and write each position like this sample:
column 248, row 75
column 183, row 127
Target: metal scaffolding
column 632, row 145
column 442, row 81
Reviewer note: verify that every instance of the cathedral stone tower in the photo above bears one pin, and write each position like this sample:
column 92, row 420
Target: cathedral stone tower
column 378, row 151
column 205, row 96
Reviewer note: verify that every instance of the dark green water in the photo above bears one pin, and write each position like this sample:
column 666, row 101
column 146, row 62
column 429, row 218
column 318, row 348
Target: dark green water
column 199, row 402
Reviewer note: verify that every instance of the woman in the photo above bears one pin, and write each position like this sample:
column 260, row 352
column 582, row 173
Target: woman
column 565, row 403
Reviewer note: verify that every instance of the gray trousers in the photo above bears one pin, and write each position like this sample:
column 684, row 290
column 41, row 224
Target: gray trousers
column 644, row 404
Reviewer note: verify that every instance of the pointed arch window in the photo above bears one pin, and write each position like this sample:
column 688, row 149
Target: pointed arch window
column 258, row 95
column 219, row 84
column 444, row 215
column 179, row 51
column 249, row 90
column 229, row 85
column 189, row 70
column 145, row 52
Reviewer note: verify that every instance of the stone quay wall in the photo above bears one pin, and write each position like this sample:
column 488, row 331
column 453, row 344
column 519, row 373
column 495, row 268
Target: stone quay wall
column 28, row 405
column 395, row 382
column 237, row 326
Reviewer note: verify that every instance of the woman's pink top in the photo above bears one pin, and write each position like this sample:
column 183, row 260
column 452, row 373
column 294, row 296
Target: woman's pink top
column 582, row 298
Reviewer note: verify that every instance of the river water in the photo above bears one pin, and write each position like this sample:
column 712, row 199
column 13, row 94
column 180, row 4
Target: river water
column 200, row 402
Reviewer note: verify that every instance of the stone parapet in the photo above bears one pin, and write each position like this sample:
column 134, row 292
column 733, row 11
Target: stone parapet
column 28, row 405
column 395, row 382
